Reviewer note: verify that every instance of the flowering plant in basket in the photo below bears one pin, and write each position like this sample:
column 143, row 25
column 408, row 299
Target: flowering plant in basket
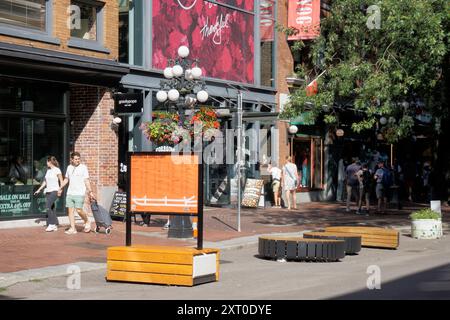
column 205, row 123
column 162, row 127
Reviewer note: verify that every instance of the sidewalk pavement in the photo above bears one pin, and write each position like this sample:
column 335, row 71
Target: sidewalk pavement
column 31, row 254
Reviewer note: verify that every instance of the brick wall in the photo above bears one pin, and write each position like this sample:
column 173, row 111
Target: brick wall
column 285, row 67
column 62, row 32
column 92, row 135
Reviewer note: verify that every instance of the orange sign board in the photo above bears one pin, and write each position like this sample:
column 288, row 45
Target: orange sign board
column 164, row 183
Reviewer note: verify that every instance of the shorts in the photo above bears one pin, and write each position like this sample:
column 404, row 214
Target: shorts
column 74, row 201
column 276, row 186
column 380, row 192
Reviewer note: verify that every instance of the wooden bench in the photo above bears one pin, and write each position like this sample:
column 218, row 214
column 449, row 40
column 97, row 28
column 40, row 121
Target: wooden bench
column 352, row 241
column 296, row 248
column 162, row 265
column 371, row 236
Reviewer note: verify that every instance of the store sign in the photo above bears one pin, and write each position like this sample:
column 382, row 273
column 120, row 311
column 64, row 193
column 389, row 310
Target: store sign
column 128, row 103
column 164, row 183
column 17, row 200
column 221, row 38
column 304, row 15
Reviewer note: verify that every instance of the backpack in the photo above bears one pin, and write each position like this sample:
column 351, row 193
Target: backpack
column 387, row 179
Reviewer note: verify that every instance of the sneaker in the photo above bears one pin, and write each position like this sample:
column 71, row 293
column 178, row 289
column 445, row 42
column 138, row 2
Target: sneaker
column 87, row 227
column 71, row 231
column 51, row 227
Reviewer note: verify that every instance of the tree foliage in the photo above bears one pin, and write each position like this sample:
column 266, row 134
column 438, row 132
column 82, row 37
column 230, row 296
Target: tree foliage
column 377, row 70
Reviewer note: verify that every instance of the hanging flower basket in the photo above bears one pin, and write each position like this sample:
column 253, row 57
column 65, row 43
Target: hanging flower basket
column 167, row 129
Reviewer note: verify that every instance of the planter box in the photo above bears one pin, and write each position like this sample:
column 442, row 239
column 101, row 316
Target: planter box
column 181, row 266
column 426, row 229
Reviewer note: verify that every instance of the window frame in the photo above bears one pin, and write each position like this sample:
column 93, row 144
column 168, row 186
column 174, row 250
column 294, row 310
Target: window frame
column 92, row 45
column 31, row 34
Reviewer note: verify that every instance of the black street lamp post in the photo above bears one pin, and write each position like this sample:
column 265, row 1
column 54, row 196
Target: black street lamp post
column 181, row 89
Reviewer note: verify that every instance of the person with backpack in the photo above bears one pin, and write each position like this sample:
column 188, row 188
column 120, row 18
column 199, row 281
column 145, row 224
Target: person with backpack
column 383, row 178
column 365, row 185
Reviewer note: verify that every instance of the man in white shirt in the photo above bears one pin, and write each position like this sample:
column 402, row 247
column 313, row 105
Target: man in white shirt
column 77, row 176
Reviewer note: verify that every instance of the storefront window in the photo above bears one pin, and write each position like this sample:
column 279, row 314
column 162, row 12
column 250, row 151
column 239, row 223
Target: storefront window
column 29, row 14
column 32, row 126
column 25, row 144
column 30, row 97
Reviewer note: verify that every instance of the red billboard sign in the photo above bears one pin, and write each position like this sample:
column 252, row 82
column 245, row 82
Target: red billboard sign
column 220, row 37
column 304, row 15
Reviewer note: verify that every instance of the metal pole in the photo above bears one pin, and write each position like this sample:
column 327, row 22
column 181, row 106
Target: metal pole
column 239, row 157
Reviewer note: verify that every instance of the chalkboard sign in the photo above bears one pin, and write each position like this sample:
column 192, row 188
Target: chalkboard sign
column 119, row 205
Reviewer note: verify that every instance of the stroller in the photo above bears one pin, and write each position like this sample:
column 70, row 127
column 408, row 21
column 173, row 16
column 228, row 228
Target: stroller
column 102, row 218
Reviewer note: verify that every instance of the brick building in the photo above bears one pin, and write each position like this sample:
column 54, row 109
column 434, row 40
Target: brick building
column 58, row 67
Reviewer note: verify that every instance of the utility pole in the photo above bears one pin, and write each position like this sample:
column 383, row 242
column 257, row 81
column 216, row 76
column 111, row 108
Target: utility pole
column 239, row 157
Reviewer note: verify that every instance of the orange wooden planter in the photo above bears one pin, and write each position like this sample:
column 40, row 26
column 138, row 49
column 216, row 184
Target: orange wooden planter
column 162, row 265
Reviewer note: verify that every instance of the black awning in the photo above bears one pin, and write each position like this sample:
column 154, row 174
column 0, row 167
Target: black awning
column 40, row 64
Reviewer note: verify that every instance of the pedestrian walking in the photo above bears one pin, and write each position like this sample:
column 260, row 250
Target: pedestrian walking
column 276, row 182
column 77, row 176
column 290, row 182
column 52, row 181
column 352, row 182
column 365, row 185
column 384, row 180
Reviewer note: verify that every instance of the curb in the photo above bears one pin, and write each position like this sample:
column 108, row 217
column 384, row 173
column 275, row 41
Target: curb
column 12, row 278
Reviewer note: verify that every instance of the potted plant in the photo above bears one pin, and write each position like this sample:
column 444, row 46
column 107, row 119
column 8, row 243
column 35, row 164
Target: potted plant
column 426, row 224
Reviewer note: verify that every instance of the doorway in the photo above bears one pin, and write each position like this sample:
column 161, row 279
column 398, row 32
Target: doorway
column 307, row 153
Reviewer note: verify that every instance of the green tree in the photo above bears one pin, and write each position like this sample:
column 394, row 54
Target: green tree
column 377, row 56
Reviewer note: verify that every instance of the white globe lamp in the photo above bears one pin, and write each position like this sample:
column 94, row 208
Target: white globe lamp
column 173, row 95
column 383, row 121
column 161, row 96
column 168, row 73
column 117, row 120
column 202, row 96
column 293, row 129
column 183, row 51
column 196, row 72
column 177, row 70
column 339, row 132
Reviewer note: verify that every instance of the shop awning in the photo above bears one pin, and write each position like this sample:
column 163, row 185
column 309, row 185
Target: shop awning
column 42, row 64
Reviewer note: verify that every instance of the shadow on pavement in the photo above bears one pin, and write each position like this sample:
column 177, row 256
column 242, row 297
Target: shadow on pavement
column 432, row 284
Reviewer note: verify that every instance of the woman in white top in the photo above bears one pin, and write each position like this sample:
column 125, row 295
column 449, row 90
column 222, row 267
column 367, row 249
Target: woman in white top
column 291, row 180
column 276, row 183
column 52, row 181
